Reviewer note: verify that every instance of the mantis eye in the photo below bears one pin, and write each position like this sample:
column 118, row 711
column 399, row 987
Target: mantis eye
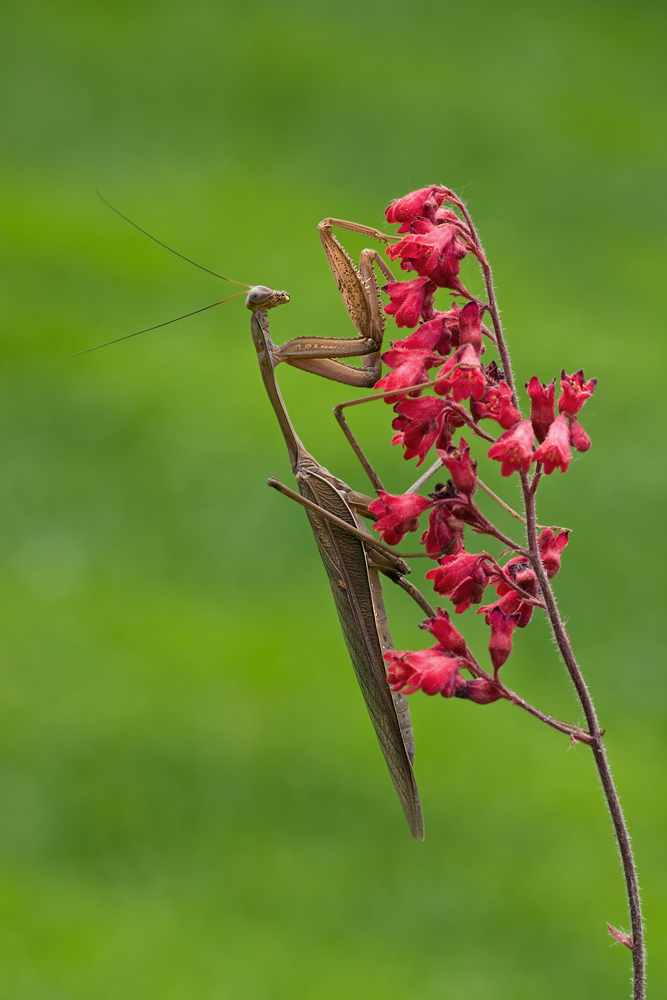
column 258, row 294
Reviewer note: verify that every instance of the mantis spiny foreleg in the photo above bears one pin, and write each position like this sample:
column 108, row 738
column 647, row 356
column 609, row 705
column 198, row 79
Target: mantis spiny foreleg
column 361, row 296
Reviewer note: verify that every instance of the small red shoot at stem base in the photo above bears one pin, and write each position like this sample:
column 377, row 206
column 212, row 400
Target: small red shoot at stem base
column 621, row 937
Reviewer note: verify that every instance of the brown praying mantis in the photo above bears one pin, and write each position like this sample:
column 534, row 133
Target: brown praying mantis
column 352, row 557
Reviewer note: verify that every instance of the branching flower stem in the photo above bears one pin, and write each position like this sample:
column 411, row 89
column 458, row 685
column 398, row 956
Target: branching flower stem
column 595, row 733
column 514, row 513
column 574, row 732
column 490, row 529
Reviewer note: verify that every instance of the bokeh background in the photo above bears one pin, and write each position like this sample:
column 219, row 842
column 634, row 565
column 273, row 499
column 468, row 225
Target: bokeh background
column 192, row 800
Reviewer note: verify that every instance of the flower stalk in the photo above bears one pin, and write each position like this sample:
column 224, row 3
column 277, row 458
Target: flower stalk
column 435, row 239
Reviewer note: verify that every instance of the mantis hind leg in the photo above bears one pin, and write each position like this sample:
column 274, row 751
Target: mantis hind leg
column 379, row 555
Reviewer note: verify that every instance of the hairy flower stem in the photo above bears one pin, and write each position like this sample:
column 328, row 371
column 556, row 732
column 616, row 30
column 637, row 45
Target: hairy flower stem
column 597, row 747
column 576, row 734
column 563, row 642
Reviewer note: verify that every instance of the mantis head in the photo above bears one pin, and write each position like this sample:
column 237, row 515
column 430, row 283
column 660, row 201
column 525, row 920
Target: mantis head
column 261, row 297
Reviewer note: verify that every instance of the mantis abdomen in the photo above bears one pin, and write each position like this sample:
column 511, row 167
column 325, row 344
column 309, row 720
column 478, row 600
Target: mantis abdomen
column 358, row 597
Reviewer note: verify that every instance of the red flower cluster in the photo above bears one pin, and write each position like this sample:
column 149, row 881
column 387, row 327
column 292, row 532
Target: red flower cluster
column 433, row 246
column 555, row 433
column 438, row 670
column 434, row 670
column 435, row 239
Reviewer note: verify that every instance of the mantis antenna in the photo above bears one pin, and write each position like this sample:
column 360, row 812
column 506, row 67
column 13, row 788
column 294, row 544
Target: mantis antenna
column 158, row 325
column 194, row 312
column 170, row 249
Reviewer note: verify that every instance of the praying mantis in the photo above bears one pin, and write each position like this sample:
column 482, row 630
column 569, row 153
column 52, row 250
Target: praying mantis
column 352, row 557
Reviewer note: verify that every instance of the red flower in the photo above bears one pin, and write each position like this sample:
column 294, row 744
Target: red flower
column 444, row 533
column 449, row 637
column 575, row 391
column 514, row 448
column 411, row 368
column 426, row 245
column 579, row 439
column 433, row 252
column 462, row 374
column 420, row 424
column 519, row 571
column 458, row 504
column 445, row 275
column 428, row 670
column 434, row 335
column 481, row 691
column 470, row 327
column 463, row 470
column 542, row 412
column 496, row 403
column 409, row 299
column 555, row 449
column 551, row 546
column 500, row 644
column 462, row 578
column 510, row 604
column 397, row 515
column 423, row 202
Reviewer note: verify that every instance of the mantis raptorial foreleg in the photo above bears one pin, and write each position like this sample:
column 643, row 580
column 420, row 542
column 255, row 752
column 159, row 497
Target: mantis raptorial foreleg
column 360, row 293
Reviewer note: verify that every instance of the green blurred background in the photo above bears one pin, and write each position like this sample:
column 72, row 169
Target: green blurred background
column 193, row 803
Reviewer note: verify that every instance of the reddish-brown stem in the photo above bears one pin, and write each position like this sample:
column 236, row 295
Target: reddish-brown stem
column 514, row 513
column 402, row 393
column 574, row 732
column 536, row 478
column 493, row 308
column 461, row 412
column 494, row 496
column 565, row 648
column 487, row 333
column 597, row 747
column 490, row 529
